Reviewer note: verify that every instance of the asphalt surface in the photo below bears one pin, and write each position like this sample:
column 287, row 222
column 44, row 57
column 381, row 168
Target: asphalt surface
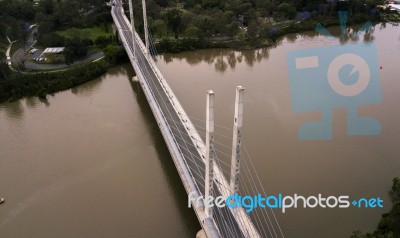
column 91, row 56
column 19, row 56
column 223, row 217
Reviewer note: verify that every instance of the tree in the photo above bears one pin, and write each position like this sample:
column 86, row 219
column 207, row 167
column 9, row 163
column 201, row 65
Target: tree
column 389, row 225
column 206, row 24
column 232, row 29
column 162, row 3
column 75, row 48
column 2, row 56
column 174, row 20
column 193, row 32
column 287, row 9
column 210, row 3
column 69, row 56
column 111, row 53
column 102, row 41
column 22, row 10
column 4, row 69
column 396, row 189
column 374, row 3
column 252, row 29
column 51, row 40
column 47, row 6
column 160, row 28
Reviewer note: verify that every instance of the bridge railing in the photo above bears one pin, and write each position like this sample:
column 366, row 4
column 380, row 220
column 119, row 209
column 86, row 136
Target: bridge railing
column 184, row 119
column 141, row 74
column 240, row 216
column 145, row 72
column 180, row 163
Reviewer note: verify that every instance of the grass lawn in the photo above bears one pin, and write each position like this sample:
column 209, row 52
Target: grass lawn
column 91, row 33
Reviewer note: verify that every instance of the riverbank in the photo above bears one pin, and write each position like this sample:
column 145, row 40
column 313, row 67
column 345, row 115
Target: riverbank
column 269, row 39
column 25, row 85
column 43, row 83
column 389, row 225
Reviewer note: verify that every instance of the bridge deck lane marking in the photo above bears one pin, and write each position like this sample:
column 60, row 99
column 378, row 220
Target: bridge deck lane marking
column 179, row 129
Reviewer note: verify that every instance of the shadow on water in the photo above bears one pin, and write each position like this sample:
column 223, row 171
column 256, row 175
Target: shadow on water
column 174, row 182
column 92, row 86
column 14, row 110
column 222, row 59
column 87, row 88
column 31, row 102
column 45, row 101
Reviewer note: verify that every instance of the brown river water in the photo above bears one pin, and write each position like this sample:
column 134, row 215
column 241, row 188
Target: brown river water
column 91, row 162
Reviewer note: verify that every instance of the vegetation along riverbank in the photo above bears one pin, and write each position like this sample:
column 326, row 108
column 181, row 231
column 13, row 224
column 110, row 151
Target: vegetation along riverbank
column 176, row 26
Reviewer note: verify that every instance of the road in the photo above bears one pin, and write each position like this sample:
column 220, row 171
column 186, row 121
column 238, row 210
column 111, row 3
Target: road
column 91, row 56
column 194, row 161
column 19, row 56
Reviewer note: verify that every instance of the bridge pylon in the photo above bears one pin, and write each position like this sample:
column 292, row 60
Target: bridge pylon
column 132, row 26
column 210, row 151
column 145, row 26
column 236, row 141
column 157, row 90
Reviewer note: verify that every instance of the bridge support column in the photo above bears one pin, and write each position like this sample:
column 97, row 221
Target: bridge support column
column 132, row 26
column 236, row 142
column 210, row 152
column 145, row 26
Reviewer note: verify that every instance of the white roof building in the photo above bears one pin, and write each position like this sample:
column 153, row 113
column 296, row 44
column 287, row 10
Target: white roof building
column 53, row 50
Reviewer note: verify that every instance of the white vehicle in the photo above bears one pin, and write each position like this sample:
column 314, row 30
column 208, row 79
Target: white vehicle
column 32, row 51
column 1, row 200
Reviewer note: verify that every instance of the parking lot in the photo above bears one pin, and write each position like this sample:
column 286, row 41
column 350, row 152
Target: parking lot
column 37, row 55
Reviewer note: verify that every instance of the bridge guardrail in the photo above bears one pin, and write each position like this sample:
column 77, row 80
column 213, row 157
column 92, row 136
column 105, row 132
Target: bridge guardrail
column 246, row 223
column 138, row 69
column 183, row 170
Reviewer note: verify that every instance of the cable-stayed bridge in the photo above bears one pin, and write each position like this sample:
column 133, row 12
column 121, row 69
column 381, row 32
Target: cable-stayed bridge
column 196, row 161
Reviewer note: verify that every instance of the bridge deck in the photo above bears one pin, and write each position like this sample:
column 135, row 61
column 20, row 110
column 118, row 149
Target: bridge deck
column 223, row 218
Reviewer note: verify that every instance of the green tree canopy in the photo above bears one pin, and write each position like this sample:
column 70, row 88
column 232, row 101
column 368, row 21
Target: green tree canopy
column 174, row 20
column 389, row 225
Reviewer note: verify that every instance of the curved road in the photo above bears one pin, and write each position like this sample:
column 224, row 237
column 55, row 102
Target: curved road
column 19, row 56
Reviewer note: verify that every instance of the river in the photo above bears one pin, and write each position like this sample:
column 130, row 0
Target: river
column 91, row 162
